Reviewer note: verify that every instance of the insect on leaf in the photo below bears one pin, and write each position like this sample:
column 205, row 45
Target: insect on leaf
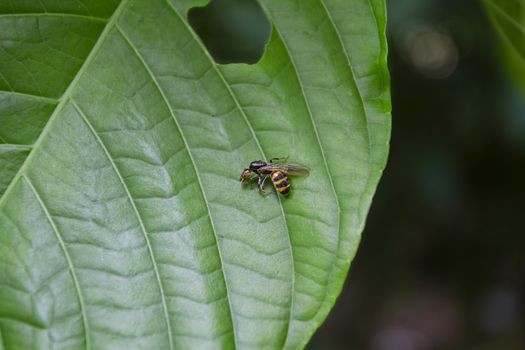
column 122, row 224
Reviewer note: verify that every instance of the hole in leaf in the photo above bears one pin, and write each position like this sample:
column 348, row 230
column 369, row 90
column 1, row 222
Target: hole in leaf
column 233, row 31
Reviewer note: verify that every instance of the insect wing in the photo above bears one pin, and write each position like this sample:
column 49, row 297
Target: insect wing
column 294, row 170
column 297, row 170
column 268, row 168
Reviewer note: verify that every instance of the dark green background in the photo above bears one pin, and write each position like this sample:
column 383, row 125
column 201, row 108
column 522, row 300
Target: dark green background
column 442, row 260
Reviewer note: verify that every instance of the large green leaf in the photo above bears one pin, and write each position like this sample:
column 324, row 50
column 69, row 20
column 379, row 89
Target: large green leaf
column 122, row 222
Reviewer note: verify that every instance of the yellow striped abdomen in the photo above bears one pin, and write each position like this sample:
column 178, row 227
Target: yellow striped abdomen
column 280, row 182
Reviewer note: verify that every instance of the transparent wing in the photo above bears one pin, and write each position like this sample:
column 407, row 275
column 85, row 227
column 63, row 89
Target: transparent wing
column 290, row 169
column 297, row 170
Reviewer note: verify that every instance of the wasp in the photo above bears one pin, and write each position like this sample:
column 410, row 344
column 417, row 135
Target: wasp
column 277, row 170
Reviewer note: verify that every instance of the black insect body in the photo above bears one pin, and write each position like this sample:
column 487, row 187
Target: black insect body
column 277, row 170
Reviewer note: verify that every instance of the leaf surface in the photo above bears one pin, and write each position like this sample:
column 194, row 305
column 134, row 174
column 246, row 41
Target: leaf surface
column 508, row 17
column 122, row 224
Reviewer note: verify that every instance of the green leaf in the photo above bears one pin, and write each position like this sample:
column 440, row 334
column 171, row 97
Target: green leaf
column 508, row 16
column 122, row 221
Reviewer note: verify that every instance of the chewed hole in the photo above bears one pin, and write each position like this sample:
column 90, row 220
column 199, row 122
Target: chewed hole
column 234, row 31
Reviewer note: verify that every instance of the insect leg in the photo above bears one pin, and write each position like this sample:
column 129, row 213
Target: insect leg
column 262, row 180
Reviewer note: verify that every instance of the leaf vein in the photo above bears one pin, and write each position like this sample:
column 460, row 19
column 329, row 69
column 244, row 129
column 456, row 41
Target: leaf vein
column 44, row 99
column 67, row 256
column 52, row 14
column 506, row 16
column 197, row 175
column 299, row 80
column 241, row 110
column 350, row 66
column 137, row 214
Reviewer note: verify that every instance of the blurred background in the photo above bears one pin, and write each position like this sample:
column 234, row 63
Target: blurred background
column 442, row 262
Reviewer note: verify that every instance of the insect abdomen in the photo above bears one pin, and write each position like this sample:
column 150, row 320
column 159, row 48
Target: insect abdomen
column 280, row 182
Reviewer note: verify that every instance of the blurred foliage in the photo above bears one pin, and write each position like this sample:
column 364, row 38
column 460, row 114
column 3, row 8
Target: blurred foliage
column 218, row 25
column 441, row 265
